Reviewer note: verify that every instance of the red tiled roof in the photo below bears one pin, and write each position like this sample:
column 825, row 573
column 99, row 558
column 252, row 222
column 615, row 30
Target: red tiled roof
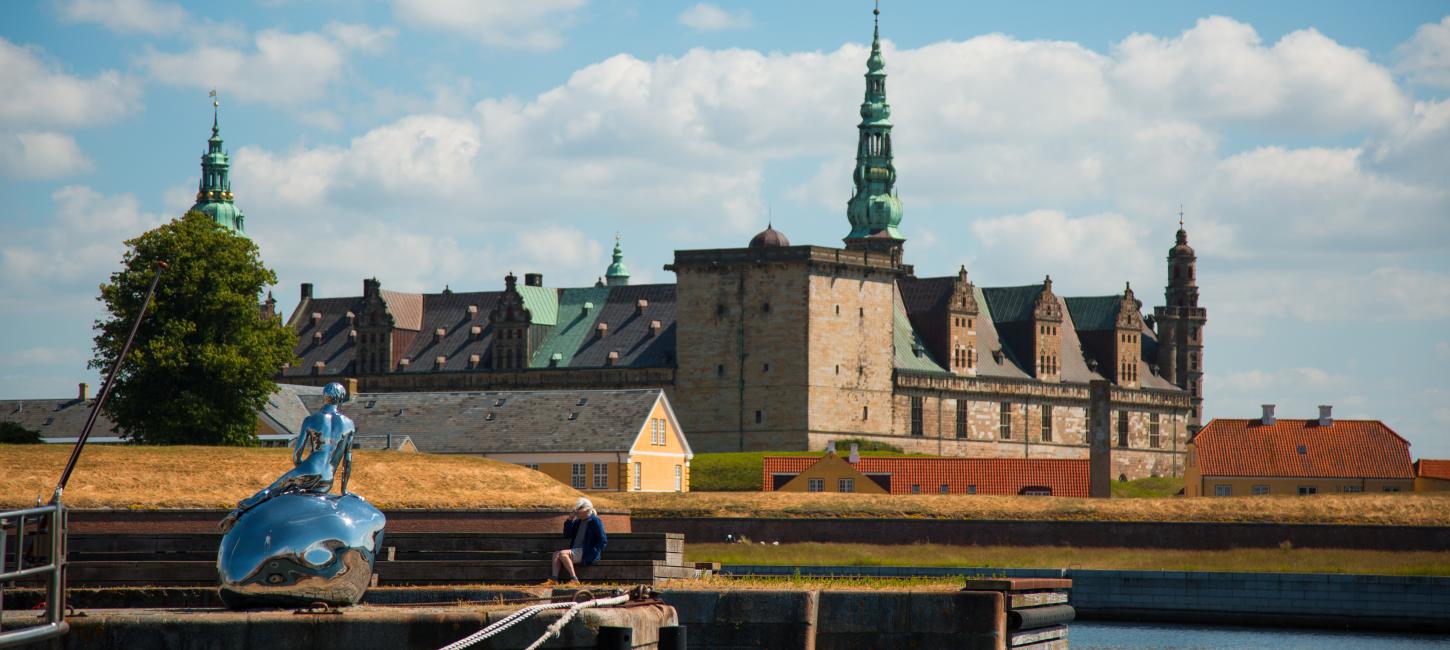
column 1432, row 468
column 1347, row 449
column 1066, row 477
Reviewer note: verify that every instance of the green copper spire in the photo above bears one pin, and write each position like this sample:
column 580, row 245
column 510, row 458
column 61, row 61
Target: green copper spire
column 874, row 210
column 618, row 273
column 214, row 192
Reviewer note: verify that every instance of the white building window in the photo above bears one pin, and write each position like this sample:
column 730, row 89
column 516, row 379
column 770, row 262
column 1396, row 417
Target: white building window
column 679, row 478
column 845, row 485
column 816, row 485
column 636, row 477
column 601, row 476
column 1223, row 490
column 576, row 476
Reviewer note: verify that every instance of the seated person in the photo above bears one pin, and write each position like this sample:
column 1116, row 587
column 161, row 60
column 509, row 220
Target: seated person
column 586, row 534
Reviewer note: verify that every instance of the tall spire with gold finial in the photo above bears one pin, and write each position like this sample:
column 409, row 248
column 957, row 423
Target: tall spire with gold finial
column 874, row 210
column 214, row 191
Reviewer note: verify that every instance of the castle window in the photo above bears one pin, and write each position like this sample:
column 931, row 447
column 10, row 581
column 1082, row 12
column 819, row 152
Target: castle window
column 766, row 368
column 1154, row 429
column 1047, row 423
column 862, row 311
column 1004, row 421
column 720, row 309
column 1193, row 362
column 916, row 428
column 838, row 310
column 720, row 370
column 1122, row 428
column 838, row 368
column 765, row 308
column 759, row 416
column 865, row 413
column 961, row 418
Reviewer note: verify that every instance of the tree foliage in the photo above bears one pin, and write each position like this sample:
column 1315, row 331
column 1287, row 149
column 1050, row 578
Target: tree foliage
column 13, row 433
column 204, row 357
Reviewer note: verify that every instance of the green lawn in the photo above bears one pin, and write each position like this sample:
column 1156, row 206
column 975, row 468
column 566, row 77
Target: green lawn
column 1273, row 560
column 742, row 471
column 1148, row 488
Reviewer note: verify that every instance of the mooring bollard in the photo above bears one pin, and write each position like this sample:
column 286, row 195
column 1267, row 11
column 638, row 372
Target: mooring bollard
column 615, row 638
column 672, row 637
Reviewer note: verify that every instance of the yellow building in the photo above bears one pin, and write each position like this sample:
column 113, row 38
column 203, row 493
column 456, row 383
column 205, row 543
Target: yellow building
column 605, row 440
column 1272, row 456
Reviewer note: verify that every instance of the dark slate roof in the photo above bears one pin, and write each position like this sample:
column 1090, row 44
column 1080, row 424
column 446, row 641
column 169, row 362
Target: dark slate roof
column 573, row 337
column 629, row 331
column 335, row 350
column 924, row 295
column 1095, row 313
column 521, row 421
column 285, row 408
column 1071, row 355
column 989, row 341
column 55, row 418
column 1012, row 304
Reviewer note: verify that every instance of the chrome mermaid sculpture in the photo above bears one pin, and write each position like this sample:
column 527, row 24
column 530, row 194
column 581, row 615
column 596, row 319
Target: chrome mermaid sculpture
column 294, row 542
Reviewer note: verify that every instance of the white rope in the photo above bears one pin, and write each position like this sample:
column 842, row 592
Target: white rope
column 502, row 624
column 558, row 625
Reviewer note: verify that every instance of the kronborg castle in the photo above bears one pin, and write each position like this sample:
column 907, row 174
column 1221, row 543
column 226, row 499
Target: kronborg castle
column 786, row 347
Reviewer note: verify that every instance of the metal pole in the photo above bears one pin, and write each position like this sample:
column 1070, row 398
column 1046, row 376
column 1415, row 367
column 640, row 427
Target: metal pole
column 75, row 454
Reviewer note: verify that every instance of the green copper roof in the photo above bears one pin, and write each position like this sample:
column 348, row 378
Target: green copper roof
column 618, row 273
column 214, row 191
column 1011, row 304
column 1094, row 313
column 542, row 303
column 574, row 326
column 910, row 349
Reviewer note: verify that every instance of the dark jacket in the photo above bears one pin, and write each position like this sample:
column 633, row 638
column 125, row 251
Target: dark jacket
column 594, row 537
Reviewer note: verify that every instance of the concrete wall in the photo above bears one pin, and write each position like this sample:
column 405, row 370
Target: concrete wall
column 1084, row 534
column 1418, row 603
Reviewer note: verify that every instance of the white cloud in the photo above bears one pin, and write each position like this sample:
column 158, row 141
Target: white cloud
column 710, row 18
column 40, row 154
column 1220, row 70
column 1425, row 58
column 281, row 68
column 59, row 266
column 39, row 93
column 127, row 16
column 1092, row 254
column 536, row 25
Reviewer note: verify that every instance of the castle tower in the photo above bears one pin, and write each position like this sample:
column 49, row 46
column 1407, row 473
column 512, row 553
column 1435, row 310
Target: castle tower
column 617, row 275
column 513, row 346
column 1180, row 325
column 874, row 209
column 214, row 191
column 1047, row 334
column 1128, row 340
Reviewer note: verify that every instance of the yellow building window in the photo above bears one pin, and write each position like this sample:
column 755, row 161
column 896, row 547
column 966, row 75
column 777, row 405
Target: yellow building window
column 636, row 477
column 845, row 485
column 816, row 485
column 601, row 476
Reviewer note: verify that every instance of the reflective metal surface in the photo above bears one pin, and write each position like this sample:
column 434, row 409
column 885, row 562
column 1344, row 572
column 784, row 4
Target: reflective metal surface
column 292, row 543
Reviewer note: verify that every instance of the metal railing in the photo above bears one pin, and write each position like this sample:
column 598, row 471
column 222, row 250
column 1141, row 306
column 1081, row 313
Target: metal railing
column 34, row 530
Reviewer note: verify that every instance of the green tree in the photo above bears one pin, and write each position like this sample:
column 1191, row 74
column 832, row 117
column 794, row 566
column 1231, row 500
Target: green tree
column 12, row 433
column 204, row 357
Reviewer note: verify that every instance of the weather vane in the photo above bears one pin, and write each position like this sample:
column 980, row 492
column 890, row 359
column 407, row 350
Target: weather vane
column 1180, row 216
column 214, row 101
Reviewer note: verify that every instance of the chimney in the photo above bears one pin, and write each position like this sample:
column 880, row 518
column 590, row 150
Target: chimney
column 472, row 312
column 318, row 367
column 438, row 335
column 588, row 306
column 602, row 330
column 654, row 328
column 352, row 336
column 473, row 360
column 475, row 331
column 316, row 318
column 351, row 319
column 440, row 361
column 831, row 447
column 306, row 290
column 317, row 338
column 84, row 393
column 1268, row 416
column 640, row 306
column 1325, row 417
column 855, row 456
column 613, row 358
column 404, row 363
column 533, row 279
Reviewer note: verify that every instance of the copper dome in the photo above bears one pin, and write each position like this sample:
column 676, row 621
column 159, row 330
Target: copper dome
column 769, row 238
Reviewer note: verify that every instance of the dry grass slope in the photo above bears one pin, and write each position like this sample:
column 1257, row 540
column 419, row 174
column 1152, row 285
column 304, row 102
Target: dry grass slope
column 1368, row 509
column 143, row 478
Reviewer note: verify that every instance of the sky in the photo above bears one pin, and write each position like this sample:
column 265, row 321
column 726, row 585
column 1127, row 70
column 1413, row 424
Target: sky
column 435, row 143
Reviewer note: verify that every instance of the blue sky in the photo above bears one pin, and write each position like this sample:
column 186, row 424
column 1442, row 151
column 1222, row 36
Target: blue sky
column 442, row 142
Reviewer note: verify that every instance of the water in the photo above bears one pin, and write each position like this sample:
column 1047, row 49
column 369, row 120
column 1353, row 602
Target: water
column 1084, row 635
